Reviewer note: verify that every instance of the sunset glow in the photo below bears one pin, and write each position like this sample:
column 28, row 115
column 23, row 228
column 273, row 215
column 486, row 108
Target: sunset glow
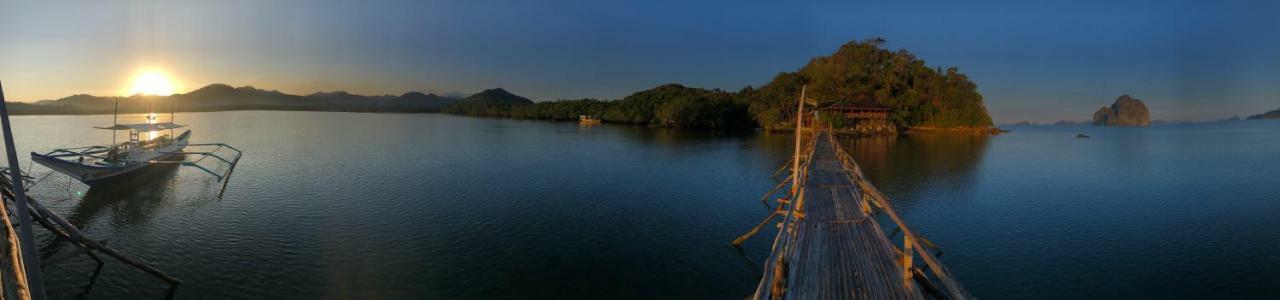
column 151, row 83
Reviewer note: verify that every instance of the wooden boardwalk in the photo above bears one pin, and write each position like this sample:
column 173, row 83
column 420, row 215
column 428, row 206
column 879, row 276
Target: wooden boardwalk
column 832, row 247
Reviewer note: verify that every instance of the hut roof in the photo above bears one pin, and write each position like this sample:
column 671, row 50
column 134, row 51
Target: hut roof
column 859, row 106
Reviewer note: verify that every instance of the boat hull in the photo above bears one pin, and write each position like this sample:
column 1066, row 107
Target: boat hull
column 100, row 174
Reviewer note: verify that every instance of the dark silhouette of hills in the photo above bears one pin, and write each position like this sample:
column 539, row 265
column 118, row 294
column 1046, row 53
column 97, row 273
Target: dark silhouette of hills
column 1275, row 114
column 490, row 100
column 222, row 97
column 497, row 96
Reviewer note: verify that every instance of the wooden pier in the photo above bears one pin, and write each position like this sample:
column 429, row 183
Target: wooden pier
column 830, row 243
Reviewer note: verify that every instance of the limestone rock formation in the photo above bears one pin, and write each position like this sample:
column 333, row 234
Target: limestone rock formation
column 1125, row 111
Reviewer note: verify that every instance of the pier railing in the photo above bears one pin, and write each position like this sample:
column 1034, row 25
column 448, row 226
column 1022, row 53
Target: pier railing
column 791, row 207
column 913, row 245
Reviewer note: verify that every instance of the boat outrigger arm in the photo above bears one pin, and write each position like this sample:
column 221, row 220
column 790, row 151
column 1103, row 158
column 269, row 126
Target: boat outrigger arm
column 231, row 163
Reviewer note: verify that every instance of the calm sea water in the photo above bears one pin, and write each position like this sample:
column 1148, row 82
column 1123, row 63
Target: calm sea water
column 348, row 205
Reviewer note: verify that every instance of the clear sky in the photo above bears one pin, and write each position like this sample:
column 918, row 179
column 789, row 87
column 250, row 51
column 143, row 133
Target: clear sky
column 1032, row 60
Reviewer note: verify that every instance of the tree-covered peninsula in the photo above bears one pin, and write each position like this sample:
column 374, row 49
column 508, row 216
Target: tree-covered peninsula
column 921, row 97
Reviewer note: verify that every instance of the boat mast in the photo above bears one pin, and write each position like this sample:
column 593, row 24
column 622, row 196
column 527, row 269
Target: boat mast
column 115, row 115
column 151, row 119
column 171, row 120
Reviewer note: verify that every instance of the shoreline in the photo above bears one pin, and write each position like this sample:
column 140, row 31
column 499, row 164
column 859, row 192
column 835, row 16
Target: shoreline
column 913, row 130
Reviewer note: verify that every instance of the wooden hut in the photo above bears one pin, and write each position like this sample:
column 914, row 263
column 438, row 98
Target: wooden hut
column 862, row 113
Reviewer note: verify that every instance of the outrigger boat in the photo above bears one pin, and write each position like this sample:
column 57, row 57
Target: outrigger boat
column 96, row 165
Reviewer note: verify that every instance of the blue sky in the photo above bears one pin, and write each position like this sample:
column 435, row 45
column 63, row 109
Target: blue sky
column 1039, row 61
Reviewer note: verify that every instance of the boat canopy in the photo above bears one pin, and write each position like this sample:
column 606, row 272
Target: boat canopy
column 144, row 127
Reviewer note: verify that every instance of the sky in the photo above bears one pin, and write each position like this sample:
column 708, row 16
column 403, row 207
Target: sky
column 1032, row 60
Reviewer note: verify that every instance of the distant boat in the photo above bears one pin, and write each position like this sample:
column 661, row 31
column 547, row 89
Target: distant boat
column 588, row 120
column 94, row 165
column 1081, row 135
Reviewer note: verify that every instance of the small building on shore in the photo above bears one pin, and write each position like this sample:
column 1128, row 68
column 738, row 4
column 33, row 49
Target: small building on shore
column 864, row 118
column 588, row 120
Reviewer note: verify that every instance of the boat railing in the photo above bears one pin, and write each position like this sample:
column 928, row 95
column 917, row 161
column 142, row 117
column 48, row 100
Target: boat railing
column 913, row 245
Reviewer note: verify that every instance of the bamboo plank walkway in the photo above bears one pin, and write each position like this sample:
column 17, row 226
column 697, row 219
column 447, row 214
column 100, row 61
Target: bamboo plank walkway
column 840, row 253
column 837, row 250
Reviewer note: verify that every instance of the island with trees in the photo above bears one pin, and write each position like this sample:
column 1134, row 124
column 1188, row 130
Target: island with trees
column 916, row 97
column 920, row 98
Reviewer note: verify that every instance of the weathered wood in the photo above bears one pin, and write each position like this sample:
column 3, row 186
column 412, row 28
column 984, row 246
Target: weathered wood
column 64, row 229
column 34, row 278
column 16, row 267
column 738, row 241
column 834, row 247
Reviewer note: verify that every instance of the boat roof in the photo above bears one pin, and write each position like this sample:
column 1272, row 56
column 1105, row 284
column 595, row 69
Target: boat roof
column 144, row 126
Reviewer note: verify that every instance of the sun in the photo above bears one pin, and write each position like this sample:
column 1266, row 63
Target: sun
column 151, row 83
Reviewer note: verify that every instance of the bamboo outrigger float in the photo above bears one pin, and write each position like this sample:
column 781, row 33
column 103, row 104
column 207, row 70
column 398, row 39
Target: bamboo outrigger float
column 830, row 244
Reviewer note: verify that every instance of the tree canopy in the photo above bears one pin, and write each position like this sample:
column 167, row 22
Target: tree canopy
column 866, row 72
column 857, row 72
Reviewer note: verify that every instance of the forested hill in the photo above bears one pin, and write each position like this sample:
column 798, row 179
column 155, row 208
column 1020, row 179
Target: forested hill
column 920, row 96
column 670, row 105
column 495, row 102
column 866, row 72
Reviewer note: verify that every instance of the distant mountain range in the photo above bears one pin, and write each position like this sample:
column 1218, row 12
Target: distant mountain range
column 1275, row 114
column 222, row 97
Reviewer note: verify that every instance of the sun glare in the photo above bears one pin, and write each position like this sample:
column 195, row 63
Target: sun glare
column 151, row 83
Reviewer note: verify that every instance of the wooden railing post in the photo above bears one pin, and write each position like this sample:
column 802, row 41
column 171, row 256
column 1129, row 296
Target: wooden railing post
column 907, row 255
column 866, row 206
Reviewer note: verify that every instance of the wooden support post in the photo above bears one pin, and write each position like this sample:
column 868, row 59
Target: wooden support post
column 15, row 259
column 906, row 258
column 738, row 241
column 795, row 161
column 30, row 258
column 77, row 237
column 866, row 207
column 65, row 230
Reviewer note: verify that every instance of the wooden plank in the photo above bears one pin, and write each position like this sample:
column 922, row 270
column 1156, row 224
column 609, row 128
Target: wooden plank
column 839, row 251
column 836, row 249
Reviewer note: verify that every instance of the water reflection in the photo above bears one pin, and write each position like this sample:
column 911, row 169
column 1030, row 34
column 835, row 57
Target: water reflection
column 133, row 200
column 907, row 163
column 1129, row 149
column 677, row 137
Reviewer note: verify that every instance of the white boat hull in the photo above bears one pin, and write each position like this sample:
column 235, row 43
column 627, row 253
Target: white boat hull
column 91, row 174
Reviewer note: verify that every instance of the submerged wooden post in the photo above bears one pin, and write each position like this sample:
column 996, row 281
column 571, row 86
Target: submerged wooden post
column 738, row 242
column 30, row 258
